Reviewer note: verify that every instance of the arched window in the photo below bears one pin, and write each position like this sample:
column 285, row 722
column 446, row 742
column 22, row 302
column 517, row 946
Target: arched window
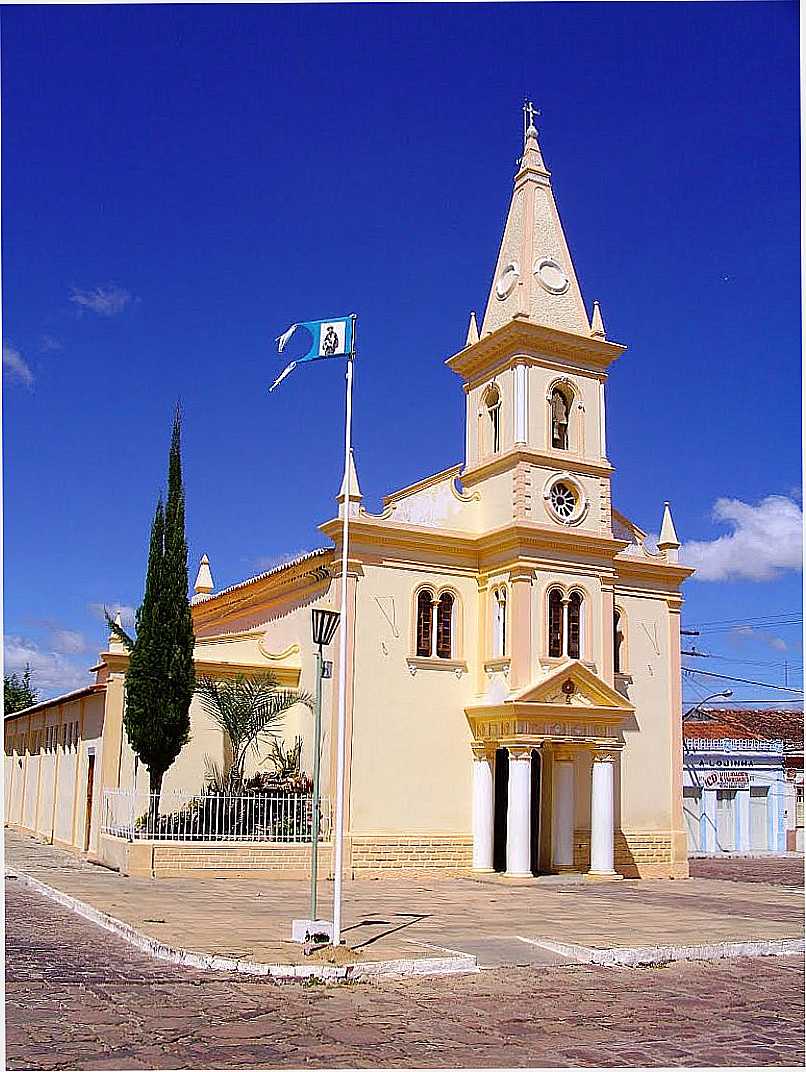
column 492, row 405
column 425, row 622
column 499, row 622
column 555, row 623
column 445, row 626
column 560, row 418
column 618, row 641
column 575, row 625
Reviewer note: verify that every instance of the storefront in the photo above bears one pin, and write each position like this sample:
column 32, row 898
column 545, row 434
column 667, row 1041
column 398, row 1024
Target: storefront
column 735, row 795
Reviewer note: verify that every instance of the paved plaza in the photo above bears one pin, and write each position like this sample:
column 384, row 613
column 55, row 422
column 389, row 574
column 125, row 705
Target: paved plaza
column 498, row 922
column 78, row 997
column 776, row 870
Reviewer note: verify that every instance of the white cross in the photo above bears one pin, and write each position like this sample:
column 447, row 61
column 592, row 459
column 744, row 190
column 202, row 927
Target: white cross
column 529, row 113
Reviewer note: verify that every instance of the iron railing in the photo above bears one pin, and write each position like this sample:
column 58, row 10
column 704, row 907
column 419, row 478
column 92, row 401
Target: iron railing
column 178, row 816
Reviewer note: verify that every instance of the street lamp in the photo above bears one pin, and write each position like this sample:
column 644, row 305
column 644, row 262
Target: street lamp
column 324, row 624
column 726, row 695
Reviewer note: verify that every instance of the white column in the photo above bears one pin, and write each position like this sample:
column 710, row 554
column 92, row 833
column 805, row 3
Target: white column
column 519, row 812
column 562, row 812
column 521, row 405
column 742, row 820
column 565, row 627
column 482, row 811
column 602, row 813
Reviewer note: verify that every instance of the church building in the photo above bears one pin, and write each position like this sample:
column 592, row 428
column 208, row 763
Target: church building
column 513, row 641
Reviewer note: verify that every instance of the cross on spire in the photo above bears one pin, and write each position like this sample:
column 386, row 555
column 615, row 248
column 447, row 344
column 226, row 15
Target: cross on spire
column 529, row 113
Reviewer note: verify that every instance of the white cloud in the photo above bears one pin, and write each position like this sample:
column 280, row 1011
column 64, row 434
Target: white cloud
column 51, row 671
column 126, row 613
column 68, row 641
column 105, row 301
column 764, row 540
column 15, row 365
column 747, row 632
column 48, row 343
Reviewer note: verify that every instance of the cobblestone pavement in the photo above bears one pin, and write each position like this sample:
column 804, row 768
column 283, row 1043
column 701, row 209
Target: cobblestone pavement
column 777, row 870
column 78, row 997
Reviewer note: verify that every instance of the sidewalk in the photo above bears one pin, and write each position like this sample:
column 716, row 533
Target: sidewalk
column 459, row 921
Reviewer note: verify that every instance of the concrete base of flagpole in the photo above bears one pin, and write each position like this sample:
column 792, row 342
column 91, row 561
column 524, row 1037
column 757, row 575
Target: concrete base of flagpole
column 319, row 931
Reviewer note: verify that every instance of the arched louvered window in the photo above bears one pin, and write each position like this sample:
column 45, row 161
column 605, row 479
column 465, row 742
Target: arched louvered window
column 618, row 641
column 499, row 622
column 555, row 623
column 445, row 626
column 575, row 625
column 492, row 405
column 560, row 417
column 425, row 622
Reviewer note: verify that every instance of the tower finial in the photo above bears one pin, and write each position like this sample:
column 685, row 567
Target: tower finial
column 529, row 113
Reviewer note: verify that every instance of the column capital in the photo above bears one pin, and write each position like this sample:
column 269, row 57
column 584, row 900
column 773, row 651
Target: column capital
column 601, row 756
column 521, row 573
column 563, row 755
column 483, row 750
column 519, row 751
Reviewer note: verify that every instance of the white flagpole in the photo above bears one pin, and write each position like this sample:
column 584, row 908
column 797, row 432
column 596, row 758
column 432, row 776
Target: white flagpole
column 345, row 636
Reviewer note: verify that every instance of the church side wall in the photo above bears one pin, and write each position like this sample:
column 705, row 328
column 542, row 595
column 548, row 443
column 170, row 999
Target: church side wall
column 411, row 757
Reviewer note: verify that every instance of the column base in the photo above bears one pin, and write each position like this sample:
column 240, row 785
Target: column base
column 602, row 876
column 518, row 874
column 482, row 870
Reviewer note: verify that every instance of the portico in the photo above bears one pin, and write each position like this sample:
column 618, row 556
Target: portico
column 530, row 755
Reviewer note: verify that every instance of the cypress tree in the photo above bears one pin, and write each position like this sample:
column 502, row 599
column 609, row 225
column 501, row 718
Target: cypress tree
column 160, row 679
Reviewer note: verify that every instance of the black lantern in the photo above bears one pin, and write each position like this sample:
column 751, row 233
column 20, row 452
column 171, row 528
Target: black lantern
column 324, row 624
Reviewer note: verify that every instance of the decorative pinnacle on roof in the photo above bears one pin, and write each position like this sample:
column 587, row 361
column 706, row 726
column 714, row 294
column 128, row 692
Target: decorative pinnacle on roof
column 668, row 541
column 204, row 578
column 597, row 324
column 472, row 331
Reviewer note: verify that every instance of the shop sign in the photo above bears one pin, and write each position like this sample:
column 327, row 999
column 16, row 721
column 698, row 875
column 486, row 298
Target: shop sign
column 727, row 779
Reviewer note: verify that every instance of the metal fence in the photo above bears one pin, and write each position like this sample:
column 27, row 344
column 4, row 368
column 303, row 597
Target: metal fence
column 177, row 816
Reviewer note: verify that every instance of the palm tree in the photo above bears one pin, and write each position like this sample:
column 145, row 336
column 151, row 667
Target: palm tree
column 246, row 709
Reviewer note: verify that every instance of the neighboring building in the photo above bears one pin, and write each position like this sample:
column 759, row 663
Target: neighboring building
column 514, row 700
column 742, row 785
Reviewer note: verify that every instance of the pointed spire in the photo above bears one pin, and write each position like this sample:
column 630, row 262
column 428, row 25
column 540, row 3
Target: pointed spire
column 597, row 324
column 350, row 488
column 534, row 276
column 204, row 579
column 668, row 542
column 472, row 331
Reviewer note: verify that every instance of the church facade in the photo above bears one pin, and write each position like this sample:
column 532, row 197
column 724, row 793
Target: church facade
column 513, row 643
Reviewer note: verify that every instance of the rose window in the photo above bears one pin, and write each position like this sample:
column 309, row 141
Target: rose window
column 563, row 500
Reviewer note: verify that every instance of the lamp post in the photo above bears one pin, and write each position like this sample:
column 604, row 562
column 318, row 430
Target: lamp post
column 324, row 624
column 726, row 694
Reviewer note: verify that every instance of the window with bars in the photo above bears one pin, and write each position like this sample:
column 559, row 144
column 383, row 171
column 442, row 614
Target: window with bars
column 555, row 623
column 618, row 641
column 445, row 626
column 492, row 404
column 425, row 622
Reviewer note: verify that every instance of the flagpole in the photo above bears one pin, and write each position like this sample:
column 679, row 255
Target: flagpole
column 346, row 634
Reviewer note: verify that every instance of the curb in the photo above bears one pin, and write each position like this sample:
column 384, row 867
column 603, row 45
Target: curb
column 665, row 954
column 213, row 962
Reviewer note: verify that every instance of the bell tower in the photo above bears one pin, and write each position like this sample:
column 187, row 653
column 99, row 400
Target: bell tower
column 534, row 373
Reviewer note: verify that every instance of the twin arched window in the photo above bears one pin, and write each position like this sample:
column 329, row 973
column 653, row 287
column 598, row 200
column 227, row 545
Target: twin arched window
column 435, row 624
column 565, row 624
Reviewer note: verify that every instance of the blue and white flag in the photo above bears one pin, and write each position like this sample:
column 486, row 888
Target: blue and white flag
column 329, row 338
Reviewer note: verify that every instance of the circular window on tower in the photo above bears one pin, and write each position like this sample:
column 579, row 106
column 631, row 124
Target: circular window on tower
column 551, row 276
column 564, row 499
column 506, row 281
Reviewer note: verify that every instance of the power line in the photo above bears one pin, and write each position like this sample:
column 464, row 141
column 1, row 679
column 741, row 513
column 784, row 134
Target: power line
column 743, row 680
column 741, row 621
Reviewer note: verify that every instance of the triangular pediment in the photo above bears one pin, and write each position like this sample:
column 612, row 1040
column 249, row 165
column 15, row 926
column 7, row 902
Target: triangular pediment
column 572, row 684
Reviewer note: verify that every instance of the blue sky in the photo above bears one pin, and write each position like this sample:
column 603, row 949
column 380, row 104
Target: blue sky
column 181, row 183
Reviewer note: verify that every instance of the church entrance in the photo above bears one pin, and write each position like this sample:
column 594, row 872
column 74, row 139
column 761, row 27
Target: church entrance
column 502, row 804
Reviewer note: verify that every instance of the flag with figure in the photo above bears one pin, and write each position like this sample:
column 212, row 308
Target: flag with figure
column 329, row 338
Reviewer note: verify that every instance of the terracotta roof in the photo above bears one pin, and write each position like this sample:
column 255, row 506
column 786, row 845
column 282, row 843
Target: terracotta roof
column 776, row 724
column 717, row 731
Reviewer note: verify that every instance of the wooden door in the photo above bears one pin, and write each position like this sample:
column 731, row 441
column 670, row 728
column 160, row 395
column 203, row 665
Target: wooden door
column 88, row 811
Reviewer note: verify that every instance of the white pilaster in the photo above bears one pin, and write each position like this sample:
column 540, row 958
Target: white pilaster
column 521, row 404
column 743, row 820
column 482, row 812
column 602, row 813
column 562, row 812
column 709, row 807
column 602, row 429
column 519, row 812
